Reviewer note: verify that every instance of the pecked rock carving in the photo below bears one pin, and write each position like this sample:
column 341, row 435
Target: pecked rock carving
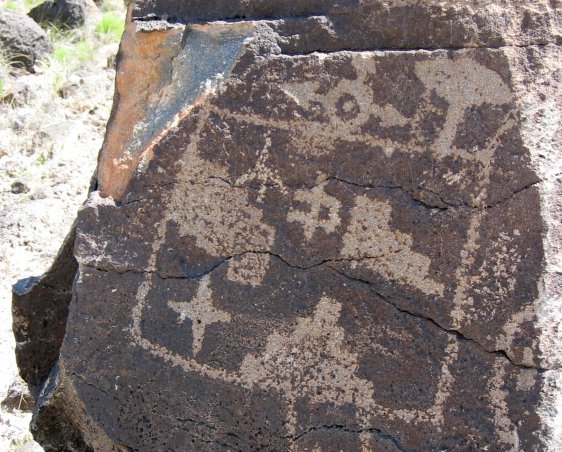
column 321, row 226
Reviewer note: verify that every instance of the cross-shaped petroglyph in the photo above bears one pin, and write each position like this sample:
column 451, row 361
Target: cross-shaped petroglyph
column 200, row 311
column 324, row 211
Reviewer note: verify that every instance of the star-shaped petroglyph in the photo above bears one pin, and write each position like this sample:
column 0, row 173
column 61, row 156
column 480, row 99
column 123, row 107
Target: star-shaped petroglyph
column 200, row 311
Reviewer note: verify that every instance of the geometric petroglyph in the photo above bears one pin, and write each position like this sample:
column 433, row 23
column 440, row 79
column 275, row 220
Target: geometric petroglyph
column 262, row 173
column 371, row 242
column 219, row 217
column 311, row 362
column 348, row 106
column 248, row 269
column 323, row 211
column 200, row 311
column 221, row 220
column 462, row 83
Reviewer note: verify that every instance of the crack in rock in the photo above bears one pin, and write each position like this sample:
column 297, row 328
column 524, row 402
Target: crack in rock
column 343, row 428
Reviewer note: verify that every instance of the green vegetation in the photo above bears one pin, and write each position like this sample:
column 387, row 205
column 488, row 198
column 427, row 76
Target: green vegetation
column 73, row 49
column 111, row 26
column 19, row 5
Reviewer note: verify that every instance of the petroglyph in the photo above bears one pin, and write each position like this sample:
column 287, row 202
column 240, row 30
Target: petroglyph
column 508, row 435
column 200, row 311
column 294, row 364
column 222, row 220
column 313, row 362
column 309, row 360
column 345, row 109
column 464, row 277
column 446, row 382
column 463, row 83
column 314, row 248
column 376, row 246
column 248, row 269
column 219, row 217
column 323, row 211
column 263, row 173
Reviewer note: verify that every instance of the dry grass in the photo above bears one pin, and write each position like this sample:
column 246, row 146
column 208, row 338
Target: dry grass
column 57, row 92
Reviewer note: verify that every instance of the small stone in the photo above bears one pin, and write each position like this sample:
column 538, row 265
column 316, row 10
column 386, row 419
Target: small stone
column 18, row 397
column 18, row 95
column 19, row 187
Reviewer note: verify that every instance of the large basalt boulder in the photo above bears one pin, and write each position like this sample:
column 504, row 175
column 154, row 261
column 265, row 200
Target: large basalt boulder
column 22, row 41
column 321, row 226
column 69, row 13
column 39, row 313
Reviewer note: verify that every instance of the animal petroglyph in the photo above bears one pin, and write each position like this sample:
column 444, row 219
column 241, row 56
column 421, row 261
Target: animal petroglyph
column 311, row 362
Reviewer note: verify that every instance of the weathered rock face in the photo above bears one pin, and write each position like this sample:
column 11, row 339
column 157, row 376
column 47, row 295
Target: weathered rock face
column 22, row 41
column 39, row 313
column 321, row 226
column 66, row 13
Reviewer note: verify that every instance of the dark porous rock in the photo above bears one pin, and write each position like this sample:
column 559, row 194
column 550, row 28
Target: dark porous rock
column 21, row 40
column 39, row 312
column 321, row 225
column 70, row 13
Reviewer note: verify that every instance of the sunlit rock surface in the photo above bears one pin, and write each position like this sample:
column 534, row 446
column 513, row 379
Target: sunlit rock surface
column 321, row 225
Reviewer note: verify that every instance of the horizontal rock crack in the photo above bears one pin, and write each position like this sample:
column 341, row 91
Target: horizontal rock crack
column 446, row 204
column 458, row 334
column 329, row 262
column 343, row 428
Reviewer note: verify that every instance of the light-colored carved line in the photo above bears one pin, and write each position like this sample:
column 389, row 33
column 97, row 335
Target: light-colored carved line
column 366, row 407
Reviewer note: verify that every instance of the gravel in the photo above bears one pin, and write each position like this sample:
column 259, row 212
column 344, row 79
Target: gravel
column 49, row 141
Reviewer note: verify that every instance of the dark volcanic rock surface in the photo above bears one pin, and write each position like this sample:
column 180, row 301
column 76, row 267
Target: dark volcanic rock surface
column 39, row 313
column 65, row 13
column 302, row 243
column 22, row 41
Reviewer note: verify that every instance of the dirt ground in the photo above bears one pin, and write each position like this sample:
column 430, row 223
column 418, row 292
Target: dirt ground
column 49, row 141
